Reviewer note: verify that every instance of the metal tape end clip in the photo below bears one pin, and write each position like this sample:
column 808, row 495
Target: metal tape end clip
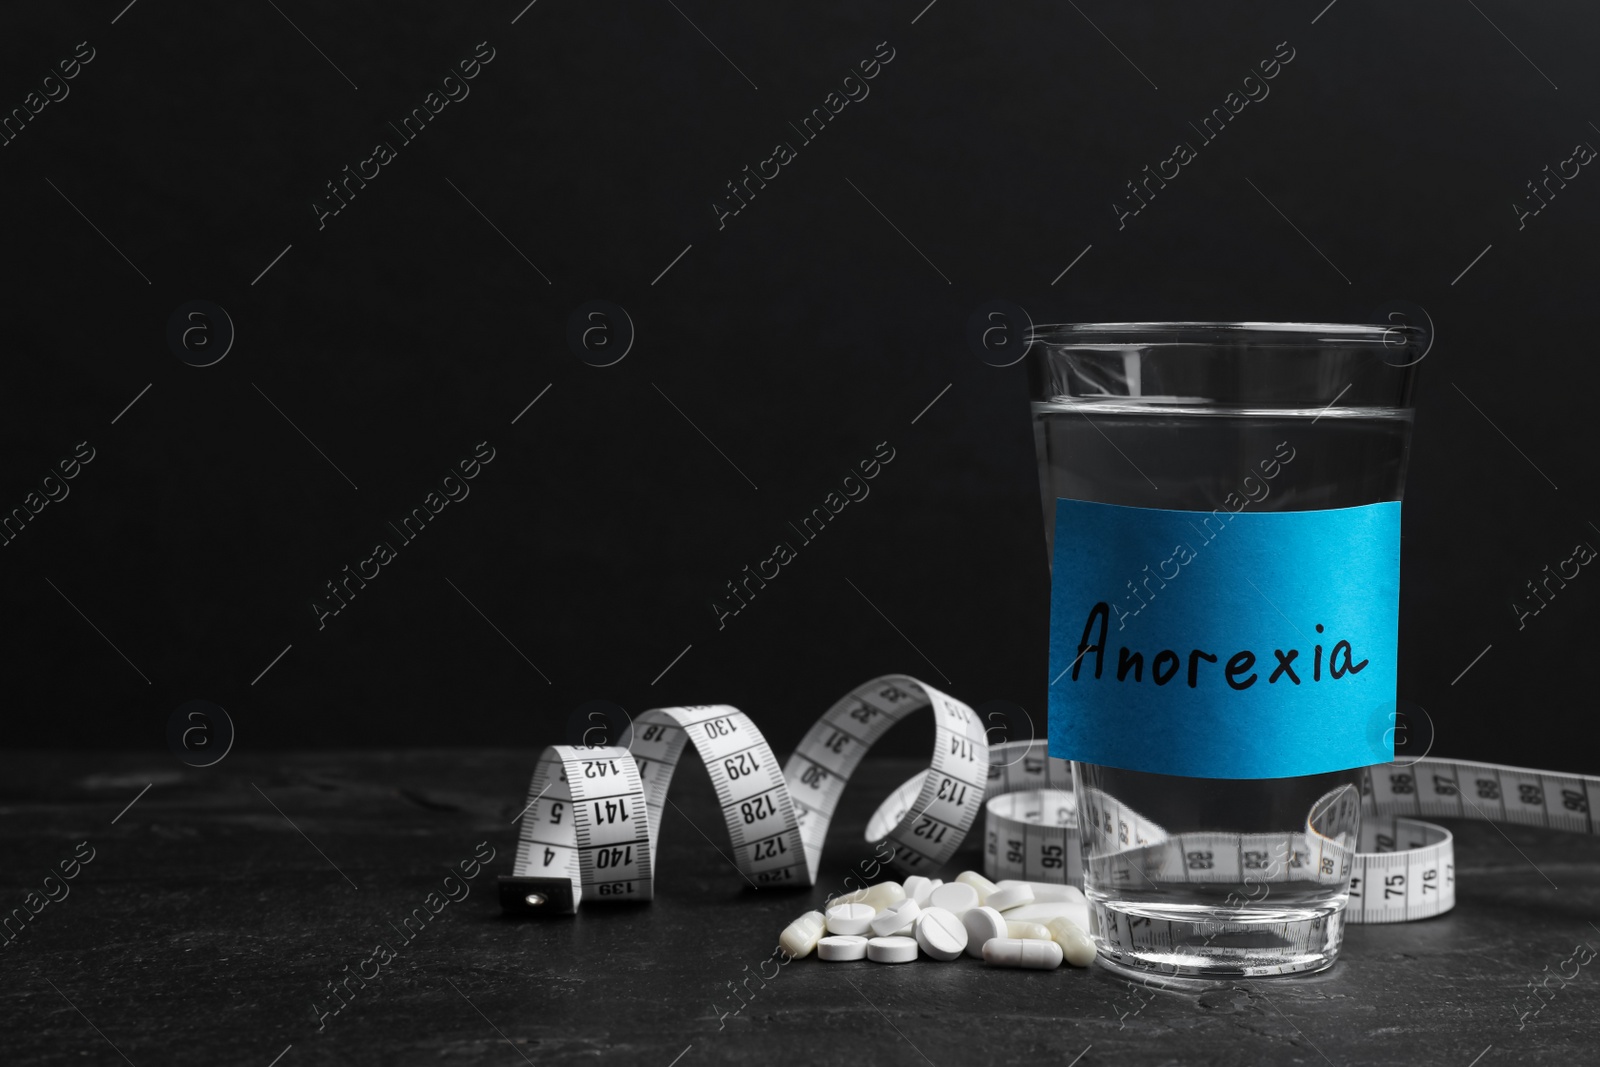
column 525, row 897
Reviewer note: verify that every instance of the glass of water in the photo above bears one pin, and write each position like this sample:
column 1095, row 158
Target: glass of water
column 1221, row 506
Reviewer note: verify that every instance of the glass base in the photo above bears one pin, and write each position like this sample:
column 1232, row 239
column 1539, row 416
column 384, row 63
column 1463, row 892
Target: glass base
column 1148, row 942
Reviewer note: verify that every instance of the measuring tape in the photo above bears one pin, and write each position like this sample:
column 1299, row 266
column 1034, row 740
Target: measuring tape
column 593, row 816
column 594, row 813
column 1401, row 868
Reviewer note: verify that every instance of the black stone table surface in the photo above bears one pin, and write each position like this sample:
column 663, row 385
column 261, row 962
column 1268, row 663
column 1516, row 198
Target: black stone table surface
column 212, row 914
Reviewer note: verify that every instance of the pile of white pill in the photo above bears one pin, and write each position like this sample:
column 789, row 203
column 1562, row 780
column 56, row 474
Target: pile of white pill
column 1008, row 924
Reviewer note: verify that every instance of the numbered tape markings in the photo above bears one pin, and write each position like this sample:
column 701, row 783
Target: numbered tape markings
column 586, row 825
column 1019, row 765
column 1033, row 835
column 1116, row 821
column 944, row 800
column 1464, row 789
column 751, row 790
column 593, row 819
column 911, row 800
column 1400, row 868
column 594, row 814
column 1405, row 870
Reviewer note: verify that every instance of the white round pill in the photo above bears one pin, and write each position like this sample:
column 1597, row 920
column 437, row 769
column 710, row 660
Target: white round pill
column 842, row 947
column 1012, row 896
column 917, row 888
column 978, row 882
column 892, row 949
column 954, row 897
column 895, row 918
column 800, row 936
column 983, row 924
column 940, row 933
column 855, row 896
column 850, row 918
column 925, row 890
column 1017, row 952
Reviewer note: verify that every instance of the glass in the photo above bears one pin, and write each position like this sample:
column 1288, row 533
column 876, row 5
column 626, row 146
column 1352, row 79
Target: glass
column 1206, row 877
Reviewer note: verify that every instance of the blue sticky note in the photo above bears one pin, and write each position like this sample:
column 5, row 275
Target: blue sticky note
column 1220, row 644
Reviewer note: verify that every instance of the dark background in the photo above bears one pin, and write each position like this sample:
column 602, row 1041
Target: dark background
column 796, row 339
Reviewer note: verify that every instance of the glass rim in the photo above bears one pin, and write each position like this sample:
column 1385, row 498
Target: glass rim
column 1265, row 334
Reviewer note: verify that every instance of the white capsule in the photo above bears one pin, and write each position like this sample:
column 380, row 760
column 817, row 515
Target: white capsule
column 800, row 936
column 917, row 888
column 954, row 897
column 1012, row 896
column 880, row 895
column 1048, row 892
column 983, row 924
column 850, row 918
column 1076, row 945
column 941, row 933
column 842, row 947
column 884, row 894
column 894, row 919
column 1039, row 913
column 892, row 949
column 1028, row 931
column 1018, row 952
column 979, row 883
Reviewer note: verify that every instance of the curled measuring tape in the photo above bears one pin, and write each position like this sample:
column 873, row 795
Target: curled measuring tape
column 1400, row 867
column 594, row 813
column 1459, row 789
